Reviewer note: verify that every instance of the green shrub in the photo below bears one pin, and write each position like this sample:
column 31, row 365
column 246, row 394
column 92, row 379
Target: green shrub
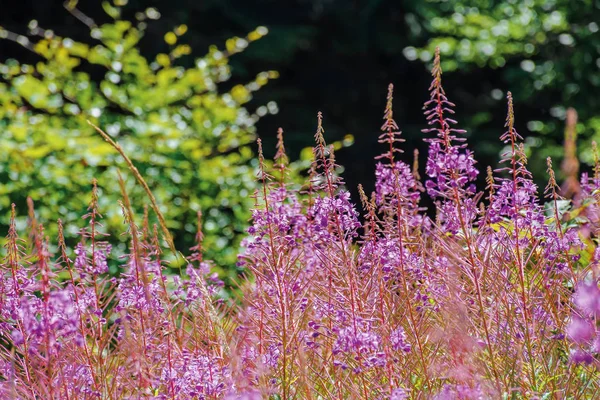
column 548, row 48
column 187, row 137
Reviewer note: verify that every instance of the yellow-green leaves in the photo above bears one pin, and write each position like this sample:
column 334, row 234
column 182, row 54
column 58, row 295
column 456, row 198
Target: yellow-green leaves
column 172, row 120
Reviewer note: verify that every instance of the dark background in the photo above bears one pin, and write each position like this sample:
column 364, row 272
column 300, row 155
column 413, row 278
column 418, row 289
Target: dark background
column 338, row 56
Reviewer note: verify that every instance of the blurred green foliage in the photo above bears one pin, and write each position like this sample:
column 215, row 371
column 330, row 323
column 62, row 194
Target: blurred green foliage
column 336, row 56
column 190, row 139
column 557, row 47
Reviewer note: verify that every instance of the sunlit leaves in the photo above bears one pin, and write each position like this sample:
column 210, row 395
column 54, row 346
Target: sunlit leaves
column 172, row 120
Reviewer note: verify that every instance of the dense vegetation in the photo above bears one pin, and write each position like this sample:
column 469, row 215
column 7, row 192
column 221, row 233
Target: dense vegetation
column 496, row 297
column 332, row 55
column 189, row 138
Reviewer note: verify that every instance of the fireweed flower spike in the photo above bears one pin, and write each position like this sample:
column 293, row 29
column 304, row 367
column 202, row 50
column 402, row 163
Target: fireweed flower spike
column 396, row 188
column 450, row 165
column 281, row 158
column 516, row 196
column 452, row 172
column 397, row 195
column 523, row 234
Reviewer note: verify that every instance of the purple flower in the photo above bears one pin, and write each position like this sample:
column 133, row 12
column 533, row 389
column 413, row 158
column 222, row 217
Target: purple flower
column 332, row 212
column 450, row 165
column 396, row 182
column 53, row 322
column 459, row 391
column 197, row 376
column 587, row 298
column 582, row 357
column 580, row 330
column 98, row 264
column 248, row 395
column 359, row 339
column 399, row 394
column 271, row 357
column 398, row 340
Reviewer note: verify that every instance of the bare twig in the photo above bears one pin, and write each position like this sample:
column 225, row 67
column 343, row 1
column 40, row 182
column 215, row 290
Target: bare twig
column 15, row 37
column 141, row 181
column 71, row 7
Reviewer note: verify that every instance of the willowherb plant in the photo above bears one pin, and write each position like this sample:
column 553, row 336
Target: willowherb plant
column 491, row 299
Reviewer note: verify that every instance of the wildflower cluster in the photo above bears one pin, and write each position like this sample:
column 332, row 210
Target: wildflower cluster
column 488, row 299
